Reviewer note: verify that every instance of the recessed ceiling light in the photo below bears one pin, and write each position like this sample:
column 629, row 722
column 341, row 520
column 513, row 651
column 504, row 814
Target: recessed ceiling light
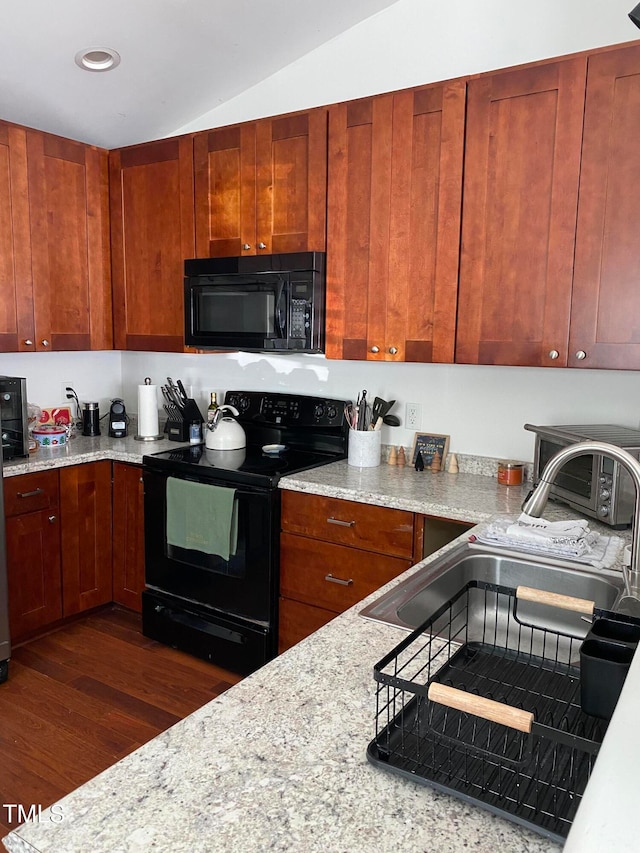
column 97, row 59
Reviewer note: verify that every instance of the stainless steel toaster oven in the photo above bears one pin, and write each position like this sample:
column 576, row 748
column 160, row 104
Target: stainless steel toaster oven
column 593, row 484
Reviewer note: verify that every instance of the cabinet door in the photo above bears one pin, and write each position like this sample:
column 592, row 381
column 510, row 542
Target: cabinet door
column 291, row 182
column 521, row 172
column 605, row 330
column 261, row 186
column 395, row 183
column 128, row 535
column 69, row 213
column 16, row 294
column 152, row 233
column 85, row 510
column 225, row 188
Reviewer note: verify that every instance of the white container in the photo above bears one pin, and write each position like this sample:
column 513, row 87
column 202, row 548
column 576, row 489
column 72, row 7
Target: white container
column 364, row 448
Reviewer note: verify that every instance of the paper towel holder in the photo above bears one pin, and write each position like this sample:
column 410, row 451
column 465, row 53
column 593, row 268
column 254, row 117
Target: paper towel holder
column 147, row 381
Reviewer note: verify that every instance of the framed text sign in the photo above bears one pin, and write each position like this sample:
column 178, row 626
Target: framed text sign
column 432, row 448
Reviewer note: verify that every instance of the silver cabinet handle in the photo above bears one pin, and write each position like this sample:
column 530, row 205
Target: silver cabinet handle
column 375, row 349
column 28, row 343
column 554, row 354
column 581, row 354
column 52, row 519
column 45, row 343
column 338, row 580
column 262, row 245
column 32, row 494
column 246, row 247
column 393, row 350
column 332, row 520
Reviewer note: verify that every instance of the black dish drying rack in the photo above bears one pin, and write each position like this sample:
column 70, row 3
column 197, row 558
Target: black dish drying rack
column 527, row 758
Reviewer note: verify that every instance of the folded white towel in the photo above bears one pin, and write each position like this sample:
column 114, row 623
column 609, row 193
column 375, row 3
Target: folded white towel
column 571, row 540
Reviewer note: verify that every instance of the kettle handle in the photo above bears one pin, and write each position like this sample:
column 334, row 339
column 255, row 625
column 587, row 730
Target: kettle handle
column 230, row 408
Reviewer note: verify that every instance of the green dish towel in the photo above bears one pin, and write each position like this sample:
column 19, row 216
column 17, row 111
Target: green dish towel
column 202, row 517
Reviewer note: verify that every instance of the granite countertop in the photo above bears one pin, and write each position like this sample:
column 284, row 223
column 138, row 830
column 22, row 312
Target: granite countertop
column 81, row 449
column 278, row 761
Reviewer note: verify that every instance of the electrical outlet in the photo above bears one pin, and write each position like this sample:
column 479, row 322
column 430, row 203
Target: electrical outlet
column 63, row 394
column 413, row 418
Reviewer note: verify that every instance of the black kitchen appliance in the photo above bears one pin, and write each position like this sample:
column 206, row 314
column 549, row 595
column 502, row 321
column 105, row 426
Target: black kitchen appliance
column 13, row 415
column 118, row 419
column 224, row 607
column 91, row 419
column 256, row 303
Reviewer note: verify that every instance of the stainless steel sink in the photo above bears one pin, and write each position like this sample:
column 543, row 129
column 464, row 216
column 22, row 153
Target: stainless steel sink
column 415, row 600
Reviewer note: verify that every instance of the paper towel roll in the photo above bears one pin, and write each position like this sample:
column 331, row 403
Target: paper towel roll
column 148, row 411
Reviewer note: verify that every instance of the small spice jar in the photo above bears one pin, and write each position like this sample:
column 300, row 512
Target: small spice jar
column 510, row 473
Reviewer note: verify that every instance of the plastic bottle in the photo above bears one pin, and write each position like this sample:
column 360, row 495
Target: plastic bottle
column 213, row 406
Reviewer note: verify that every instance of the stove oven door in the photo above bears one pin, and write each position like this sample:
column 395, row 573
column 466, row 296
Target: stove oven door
column 225, row 603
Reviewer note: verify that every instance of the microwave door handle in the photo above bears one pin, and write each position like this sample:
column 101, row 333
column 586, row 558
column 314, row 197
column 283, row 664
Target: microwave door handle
column 280, row 326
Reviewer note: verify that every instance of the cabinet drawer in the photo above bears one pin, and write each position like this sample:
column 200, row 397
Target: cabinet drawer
column 30, row 492
column 298, row 620
column 371, row 528
column 332, row 576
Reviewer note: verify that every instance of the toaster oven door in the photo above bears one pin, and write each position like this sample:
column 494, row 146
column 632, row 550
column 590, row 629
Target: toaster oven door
column 576, row 482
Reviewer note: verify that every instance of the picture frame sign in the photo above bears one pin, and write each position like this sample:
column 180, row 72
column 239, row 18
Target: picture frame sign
column 433, row 449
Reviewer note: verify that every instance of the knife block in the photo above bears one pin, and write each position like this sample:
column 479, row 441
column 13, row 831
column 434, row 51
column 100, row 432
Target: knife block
column 178, row 429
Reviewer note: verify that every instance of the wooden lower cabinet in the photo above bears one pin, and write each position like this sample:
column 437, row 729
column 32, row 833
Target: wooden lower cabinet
column 333, row 553
column 128, row 535
column 33, row 552
column 85, row 506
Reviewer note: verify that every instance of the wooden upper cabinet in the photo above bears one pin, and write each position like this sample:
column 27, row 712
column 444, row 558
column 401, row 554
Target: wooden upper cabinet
column 605, row 309
column 521, row 174
column 16, row 302
column 152, row 234
column 261, row 186
column 69, row 217
column 393, row 230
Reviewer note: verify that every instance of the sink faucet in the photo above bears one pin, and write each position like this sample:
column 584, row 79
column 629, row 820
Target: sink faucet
column 535, row 504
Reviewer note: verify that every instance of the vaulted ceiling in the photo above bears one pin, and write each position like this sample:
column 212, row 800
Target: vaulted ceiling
column 179, row 58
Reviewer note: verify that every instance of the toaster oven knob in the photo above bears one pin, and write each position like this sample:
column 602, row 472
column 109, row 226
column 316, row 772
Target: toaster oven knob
column 581, row 354
column 603, row 511
column 605, row 494
column 554, row 354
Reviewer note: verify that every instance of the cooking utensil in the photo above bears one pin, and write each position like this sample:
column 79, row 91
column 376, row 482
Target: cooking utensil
column 391, row 420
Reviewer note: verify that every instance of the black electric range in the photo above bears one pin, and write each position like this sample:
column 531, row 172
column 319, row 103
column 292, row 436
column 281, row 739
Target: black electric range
column 220, row 601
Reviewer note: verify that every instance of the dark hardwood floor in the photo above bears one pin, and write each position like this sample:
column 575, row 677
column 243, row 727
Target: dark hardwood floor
column 79, row 699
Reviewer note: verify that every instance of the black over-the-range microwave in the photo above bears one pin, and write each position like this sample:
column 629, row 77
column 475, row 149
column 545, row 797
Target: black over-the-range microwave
column 256, row 303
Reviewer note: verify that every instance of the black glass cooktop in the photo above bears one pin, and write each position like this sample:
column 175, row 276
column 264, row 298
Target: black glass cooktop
column 251, row 465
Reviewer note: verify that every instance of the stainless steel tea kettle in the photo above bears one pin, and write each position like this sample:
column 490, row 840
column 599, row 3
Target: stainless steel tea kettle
column 225, row 433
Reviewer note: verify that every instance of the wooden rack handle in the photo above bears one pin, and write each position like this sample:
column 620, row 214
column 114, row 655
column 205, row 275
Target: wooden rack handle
column 496, row 712
column 555, row 599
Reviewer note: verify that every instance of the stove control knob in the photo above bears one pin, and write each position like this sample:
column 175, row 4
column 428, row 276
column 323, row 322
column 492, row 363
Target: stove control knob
column 318, row 410
column 332, row 412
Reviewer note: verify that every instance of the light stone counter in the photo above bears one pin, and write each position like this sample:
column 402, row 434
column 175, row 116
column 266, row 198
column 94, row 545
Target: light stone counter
column 84, row 449
column 278, row 761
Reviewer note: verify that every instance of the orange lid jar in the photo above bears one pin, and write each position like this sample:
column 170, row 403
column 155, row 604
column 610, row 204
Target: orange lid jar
column 510, row 473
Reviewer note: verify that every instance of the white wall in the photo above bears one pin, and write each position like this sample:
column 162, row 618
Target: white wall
column 482, row 408
column 421, row 41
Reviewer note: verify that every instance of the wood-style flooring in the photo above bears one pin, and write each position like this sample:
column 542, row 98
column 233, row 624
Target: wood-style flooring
column 79, row 699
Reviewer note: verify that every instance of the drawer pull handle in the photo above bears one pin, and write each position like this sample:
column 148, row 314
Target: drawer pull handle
column 332, row 520
column 338, row 580
column 32, row 494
